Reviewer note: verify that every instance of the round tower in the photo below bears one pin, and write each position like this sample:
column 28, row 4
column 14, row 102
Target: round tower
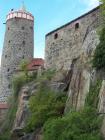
column 18, row 45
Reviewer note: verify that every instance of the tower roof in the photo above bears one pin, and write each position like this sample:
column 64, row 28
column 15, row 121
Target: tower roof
column 21, row 13
column 23, row 8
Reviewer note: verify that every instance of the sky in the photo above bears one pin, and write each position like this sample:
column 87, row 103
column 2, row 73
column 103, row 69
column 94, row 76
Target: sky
column 49, row 15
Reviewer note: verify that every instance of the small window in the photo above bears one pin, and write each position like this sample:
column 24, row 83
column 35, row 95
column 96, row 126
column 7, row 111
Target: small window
column 23, row 42
column 31, row 27
column 8, row 28
column 8, row 70
column 76, row 26
column 22, row 28
column 9, row 86
column 56, row 36
column 9, row 41
column 5, row 56
column 23, row 57
column 19, row 48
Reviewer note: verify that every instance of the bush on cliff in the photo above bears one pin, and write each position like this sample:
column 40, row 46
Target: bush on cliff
column 99, row 55
column 44, row 105
column 82, row 125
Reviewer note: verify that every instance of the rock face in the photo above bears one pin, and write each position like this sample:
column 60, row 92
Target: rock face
column 23, row 112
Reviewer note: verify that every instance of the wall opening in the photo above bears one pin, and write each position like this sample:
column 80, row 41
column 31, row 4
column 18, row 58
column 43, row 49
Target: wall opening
column 31, row 27
column 76, row 26
column 24, row 42
column 9, row 86
column 56, row 36
column 8, row 70
column 22, row 28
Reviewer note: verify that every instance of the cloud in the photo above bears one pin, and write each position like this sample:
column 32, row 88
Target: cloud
column 90, row 3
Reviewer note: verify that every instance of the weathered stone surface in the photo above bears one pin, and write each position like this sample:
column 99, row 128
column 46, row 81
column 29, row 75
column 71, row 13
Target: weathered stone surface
column 18, row 45
column 65, row 43
column 79, row 87
column 101, row 105
column 23, row 111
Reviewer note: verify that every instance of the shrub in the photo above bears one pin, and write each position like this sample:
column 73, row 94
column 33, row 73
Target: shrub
column 84, row 125
column 18, row 82
column 47, row 75
column 99, row 55
column 93, row 95
column 44, row 105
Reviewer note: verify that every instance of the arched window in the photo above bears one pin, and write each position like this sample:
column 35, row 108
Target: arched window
column 76, row 26
column 56, row 36
column 8, row 70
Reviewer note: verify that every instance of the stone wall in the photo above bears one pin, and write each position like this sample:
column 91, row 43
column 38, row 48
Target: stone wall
column 65, row 43
column 18, row 45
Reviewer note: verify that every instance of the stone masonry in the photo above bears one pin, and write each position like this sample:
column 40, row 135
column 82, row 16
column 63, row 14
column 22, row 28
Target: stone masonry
column 65, row 44
column 18, row 45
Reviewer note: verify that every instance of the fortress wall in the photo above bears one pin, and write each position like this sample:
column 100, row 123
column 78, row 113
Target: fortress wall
column 65, row 43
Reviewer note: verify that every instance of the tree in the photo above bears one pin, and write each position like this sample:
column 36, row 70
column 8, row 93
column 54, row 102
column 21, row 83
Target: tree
column 24, row 68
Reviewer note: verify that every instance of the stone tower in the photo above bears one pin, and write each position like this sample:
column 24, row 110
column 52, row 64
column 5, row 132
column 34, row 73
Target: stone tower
column 18, row 45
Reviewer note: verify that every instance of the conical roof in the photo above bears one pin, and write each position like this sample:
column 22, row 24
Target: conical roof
column 23, row 8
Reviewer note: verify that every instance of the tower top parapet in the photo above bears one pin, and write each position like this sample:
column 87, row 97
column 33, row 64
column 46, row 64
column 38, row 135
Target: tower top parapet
column 21, row 13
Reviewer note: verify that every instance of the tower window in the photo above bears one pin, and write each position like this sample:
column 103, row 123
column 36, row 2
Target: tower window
column 9, row 86
column 76, row 26
column 31, row 27
column 8, row 70
column 56, row 36
column 23, row 42
column 22, row 28
column 9, row 41
column 8, row 28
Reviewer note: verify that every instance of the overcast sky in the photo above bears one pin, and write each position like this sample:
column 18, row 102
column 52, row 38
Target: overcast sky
column 49, row 14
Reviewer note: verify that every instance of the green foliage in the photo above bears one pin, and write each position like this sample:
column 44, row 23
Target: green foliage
column 84, row 125
column 17, row 82
column 47, row 75
column 92, row 97
column 102, row 8
column 9, row 119
column 44, row 105
column 99, row 55
column 23, row 67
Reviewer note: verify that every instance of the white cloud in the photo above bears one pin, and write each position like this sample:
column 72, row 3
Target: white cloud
column 90, row 3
